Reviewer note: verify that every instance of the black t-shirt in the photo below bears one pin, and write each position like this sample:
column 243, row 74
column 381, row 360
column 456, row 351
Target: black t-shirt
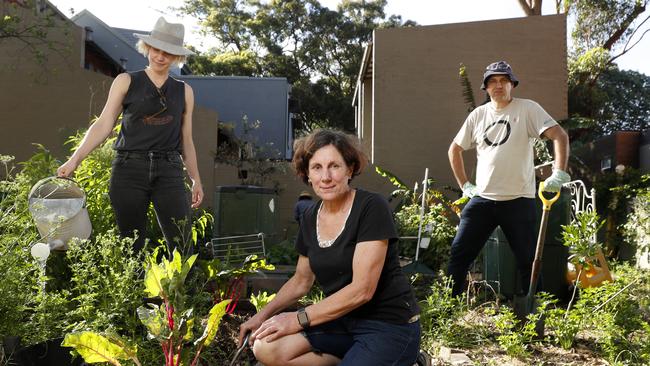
column 370, row 219
column 151, row 117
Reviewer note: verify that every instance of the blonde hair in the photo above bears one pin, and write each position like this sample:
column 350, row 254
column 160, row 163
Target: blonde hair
column 143, row 48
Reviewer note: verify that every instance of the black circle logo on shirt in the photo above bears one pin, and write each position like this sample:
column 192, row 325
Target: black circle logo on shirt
column 492, row 126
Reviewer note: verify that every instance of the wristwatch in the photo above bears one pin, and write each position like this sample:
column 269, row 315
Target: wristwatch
column 303, row 318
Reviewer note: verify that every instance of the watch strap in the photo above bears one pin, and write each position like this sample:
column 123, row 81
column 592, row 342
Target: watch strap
column 303, row 318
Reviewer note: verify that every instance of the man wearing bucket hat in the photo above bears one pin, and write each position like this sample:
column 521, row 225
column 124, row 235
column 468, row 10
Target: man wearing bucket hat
column 304, row 202
column 503, row 132
column 154, row 143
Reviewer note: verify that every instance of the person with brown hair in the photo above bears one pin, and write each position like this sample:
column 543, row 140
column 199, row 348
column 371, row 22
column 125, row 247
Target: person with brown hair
column 154, row 143
column 348, row 243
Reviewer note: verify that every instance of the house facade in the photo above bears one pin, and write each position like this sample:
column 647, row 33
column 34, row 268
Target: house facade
column 408, row 100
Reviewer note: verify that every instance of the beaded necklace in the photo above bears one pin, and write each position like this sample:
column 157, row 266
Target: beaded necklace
column 328, row 243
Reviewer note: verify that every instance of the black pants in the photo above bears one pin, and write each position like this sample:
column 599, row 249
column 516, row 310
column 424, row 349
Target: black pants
column 478, row 220
column 140, row 178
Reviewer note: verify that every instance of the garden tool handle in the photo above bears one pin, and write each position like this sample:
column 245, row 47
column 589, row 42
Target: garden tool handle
column 244, row 343
column 546, row 201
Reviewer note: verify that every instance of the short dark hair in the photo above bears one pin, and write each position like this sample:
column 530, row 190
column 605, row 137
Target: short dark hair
column 347, row 145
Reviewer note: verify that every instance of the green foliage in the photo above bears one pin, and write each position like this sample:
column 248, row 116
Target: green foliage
column 101, row 291
column 20, row 271
column 261, row 300
column 317, row 49
column 564, row 323
column 172, row 323
column 603, row 31
column 314, row 296
column 617, row 191
column 36, row 31
column 93, row 175
column 468, row 91
column 439, row 313
column 95, row 348
column 637, row 228
column 223, row 275
column 436, row 220
column 580, row 237
column 515, row 337
column 283, row 252
column 603, row 23
column 617, row 313
column 105, row 283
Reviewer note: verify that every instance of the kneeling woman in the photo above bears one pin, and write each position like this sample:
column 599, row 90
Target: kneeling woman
column 348, row 243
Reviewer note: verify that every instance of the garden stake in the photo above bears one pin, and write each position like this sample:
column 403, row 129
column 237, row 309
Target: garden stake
column 244, row 343
column 526, row 306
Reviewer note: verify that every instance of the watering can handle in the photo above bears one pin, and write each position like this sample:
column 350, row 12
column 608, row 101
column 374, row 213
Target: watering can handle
column 44, row 180
column 546, row 201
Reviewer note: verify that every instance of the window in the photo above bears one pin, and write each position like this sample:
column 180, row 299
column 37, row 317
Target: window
column 606, row 163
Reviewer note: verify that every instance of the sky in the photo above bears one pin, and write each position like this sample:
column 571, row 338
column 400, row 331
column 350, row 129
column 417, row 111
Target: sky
column 143, row 14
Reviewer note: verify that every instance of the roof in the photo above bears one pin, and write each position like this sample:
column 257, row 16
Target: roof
column 117, row 43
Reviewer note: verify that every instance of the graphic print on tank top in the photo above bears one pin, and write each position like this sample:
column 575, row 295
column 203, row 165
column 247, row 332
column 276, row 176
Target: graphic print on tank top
column 497, row 133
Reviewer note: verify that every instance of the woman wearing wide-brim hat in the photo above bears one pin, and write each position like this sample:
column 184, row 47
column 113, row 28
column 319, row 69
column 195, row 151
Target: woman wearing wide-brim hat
column 154, row 143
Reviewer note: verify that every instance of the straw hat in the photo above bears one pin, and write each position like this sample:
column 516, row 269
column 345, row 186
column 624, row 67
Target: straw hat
column 167, row 37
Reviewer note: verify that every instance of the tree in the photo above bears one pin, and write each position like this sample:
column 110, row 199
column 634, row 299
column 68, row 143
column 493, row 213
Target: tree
column 317, row 49
column 531, row 7
column 600, row 96
column 604, row 30
column 30, row 25
column 625, row 101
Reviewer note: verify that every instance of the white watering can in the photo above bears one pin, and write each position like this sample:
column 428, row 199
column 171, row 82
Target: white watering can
column 58, row 207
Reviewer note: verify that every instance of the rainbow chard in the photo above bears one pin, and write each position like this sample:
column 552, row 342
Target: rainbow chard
column 96, row 348
column 170, row 322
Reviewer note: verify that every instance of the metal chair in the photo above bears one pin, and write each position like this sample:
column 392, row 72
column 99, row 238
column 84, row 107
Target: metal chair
column 235, row 249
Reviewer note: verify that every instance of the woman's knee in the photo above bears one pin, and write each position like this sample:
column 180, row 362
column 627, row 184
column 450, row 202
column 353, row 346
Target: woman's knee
column 268, row 353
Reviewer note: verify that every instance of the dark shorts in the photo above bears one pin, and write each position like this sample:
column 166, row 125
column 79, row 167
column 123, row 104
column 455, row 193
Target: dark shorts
column 362, row 342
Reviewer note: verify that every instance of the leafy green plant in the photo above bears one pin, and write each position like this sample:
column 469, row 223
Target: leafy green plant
column 466, row 85
column 93, row 175
column 315, row 295
column 436, row 221
column 618, row 315
column 564, row 323
column 283, row 252
column 261, row 300
column 227, row 280
column 439, row 312
column 637, row 228
column 20, row 272
column 171, row 323
column 580, row 237
column 514, row 337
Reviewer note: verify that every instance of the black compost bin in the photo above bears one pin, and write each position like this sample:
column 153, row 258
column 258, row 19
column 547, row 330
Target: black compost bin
column 500, row 270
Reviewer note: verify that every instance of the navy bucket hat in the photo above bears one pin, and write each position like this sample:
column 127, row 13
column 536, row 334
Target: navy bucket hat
column 499, row 68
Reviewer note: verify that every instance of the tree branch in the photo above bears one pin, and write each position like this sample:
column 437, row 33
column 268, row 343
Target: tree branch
column 526, row 7
column 626, row 50
column 638, row 9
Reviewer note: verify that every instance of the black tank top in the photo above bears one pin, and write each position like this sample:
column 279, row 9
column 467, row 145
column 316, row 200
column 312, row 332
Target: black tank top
column 151, row 117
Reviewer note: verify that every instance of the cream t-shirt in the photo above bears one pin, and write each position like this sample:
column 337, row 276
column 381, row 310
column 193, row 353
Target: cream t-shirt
column 504, row 141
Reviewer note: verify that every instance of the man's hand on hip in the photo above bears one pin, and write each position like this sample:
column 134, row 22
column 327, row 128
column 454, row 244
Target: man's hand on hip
column 469, row 190
column 556, row 180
